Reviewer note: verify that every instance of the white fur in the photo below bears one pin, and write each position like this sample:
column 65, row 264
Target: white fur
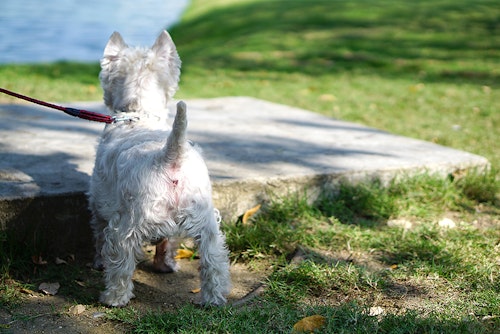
column 149, row 182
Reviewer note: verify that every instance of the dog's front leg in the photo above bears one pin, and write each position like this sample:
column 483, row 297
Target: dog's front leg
column 98, row 226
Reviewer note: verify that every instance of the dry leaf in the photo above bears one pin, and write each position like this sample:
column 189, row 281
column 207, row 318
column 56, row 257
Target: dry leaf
column 37, row 259
column 196, row 290
column 80, row 283
column 184, row 254
column 27, row 291
column 49, row 288
column 60, row 261
column 249, row 213
column 309, row 324
column 76, row 309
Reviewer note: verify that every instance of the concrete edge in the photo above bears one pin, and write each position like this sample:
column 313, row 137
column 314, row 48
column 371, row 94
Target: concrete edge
column 59, row 224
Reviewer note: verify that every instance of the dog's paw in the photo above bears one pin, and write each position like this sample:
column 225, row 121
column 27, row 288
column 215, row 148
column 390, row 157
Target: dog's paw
column 112, row 298
column 212, row 299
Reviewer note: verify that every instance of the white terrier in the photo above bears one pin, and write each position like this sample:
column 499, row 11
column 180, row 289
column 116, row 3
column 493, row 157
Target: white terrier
column 149, row 183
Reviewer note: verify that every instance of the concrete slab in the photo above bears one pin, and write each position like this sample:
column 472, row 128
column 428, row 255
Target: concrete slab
column 252, row 148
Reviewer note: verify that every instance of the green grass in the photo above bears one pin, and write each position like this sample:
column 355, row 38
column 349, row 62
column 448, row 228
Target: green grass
column 413, row 68
column 275, row 318
column 61, row 81
column 452, row 273
column 424, row 69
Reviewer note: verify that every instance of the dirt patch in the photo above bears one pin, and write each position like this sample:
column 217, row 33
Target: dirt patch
column 39, row 313
column 424, row 294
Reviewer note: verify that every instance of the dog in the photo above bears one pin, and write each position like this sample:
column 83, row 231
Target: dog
column 149, row 182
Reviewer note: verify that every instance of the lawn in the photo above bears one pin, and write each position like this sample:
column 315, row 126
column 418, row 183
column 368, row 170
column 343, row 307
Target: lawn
column 424, row 69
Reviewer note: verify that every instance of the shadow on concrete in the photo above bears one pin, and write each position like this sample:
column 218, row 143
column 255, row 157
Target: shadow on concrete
column 43, row 207
column 23, row 117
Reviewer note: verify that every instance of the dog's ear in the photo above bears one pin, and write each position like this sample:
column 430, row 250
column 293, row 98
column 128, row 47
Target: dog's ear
column 164, row 47
column 114, row 46
column 168, row 64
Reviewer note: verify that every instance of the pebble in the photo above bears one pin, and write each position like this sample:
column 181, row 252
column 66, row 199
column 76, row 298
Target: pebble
column 401, row 223
column 97, row 315
column 447, row 223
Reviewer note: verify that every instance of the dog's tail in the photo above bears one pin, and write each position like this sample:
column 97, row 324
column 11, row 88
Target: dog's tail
column 177, row 139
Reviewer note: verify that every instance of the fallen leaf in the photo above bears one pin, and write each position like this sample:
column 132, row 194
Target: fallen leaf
column 60, row 261
column 394, row 266
column 249, row 213
column 196, row 290
column 81, row 283
column 77, row 309
column 27, row 291
column 37, row 259
column 184, row 254
column 309, row 324
column 49, row 288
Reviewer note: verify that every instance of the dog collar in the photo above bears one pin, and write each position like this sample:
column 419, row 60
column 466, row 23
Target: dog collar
column 130, row 117
column 125, row 119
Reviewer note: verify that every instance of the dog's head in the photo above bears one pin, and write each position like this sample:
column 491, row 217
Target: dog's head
column 139, row 79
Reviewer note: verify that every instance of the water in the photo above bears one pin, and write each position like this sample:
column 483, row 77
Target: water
column 33, row 31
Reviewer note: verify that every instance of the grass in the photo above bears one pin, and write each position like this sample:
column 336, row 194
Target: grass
column 425, row 69
column 426, row 279
column 61, row 81
column 349, row 318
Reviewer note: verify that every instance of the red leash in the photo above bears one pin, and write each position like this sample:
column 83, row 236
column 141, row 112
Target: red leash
column 88, row 115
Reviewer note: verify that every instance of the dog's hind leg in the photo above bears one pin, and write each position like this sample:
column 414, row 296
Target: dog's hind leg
column 164, row 260
column 214, row 263
column 119, row 252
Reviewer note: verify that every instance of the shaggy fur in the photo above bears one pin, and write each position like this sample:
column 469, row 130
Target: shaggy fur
column 150, row 183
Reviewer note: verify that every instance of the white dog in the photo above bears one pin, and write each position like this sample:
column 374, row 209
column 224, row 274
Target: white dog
column 150, row 183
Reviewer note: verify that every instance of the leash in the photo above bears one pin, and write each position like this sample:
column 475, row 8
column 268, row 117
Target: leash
column 84, row 114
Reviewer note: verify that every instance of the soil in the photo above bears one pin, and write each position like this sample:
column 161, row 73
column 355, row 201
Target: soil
column 39, row 313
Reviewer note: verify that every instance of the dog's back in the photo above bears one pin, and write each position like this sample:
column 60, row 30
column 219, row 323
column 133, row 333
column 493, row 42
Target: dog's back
column 151, row 171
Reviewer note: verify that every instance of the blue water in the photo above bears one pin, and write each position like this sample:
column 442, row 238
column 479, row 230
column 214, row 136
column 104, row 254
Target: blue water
column 33, row 31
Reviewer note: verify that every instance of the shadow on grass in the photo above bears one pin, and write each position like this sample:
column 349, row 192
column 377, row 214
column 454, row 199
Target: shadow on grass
column 433, row 40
